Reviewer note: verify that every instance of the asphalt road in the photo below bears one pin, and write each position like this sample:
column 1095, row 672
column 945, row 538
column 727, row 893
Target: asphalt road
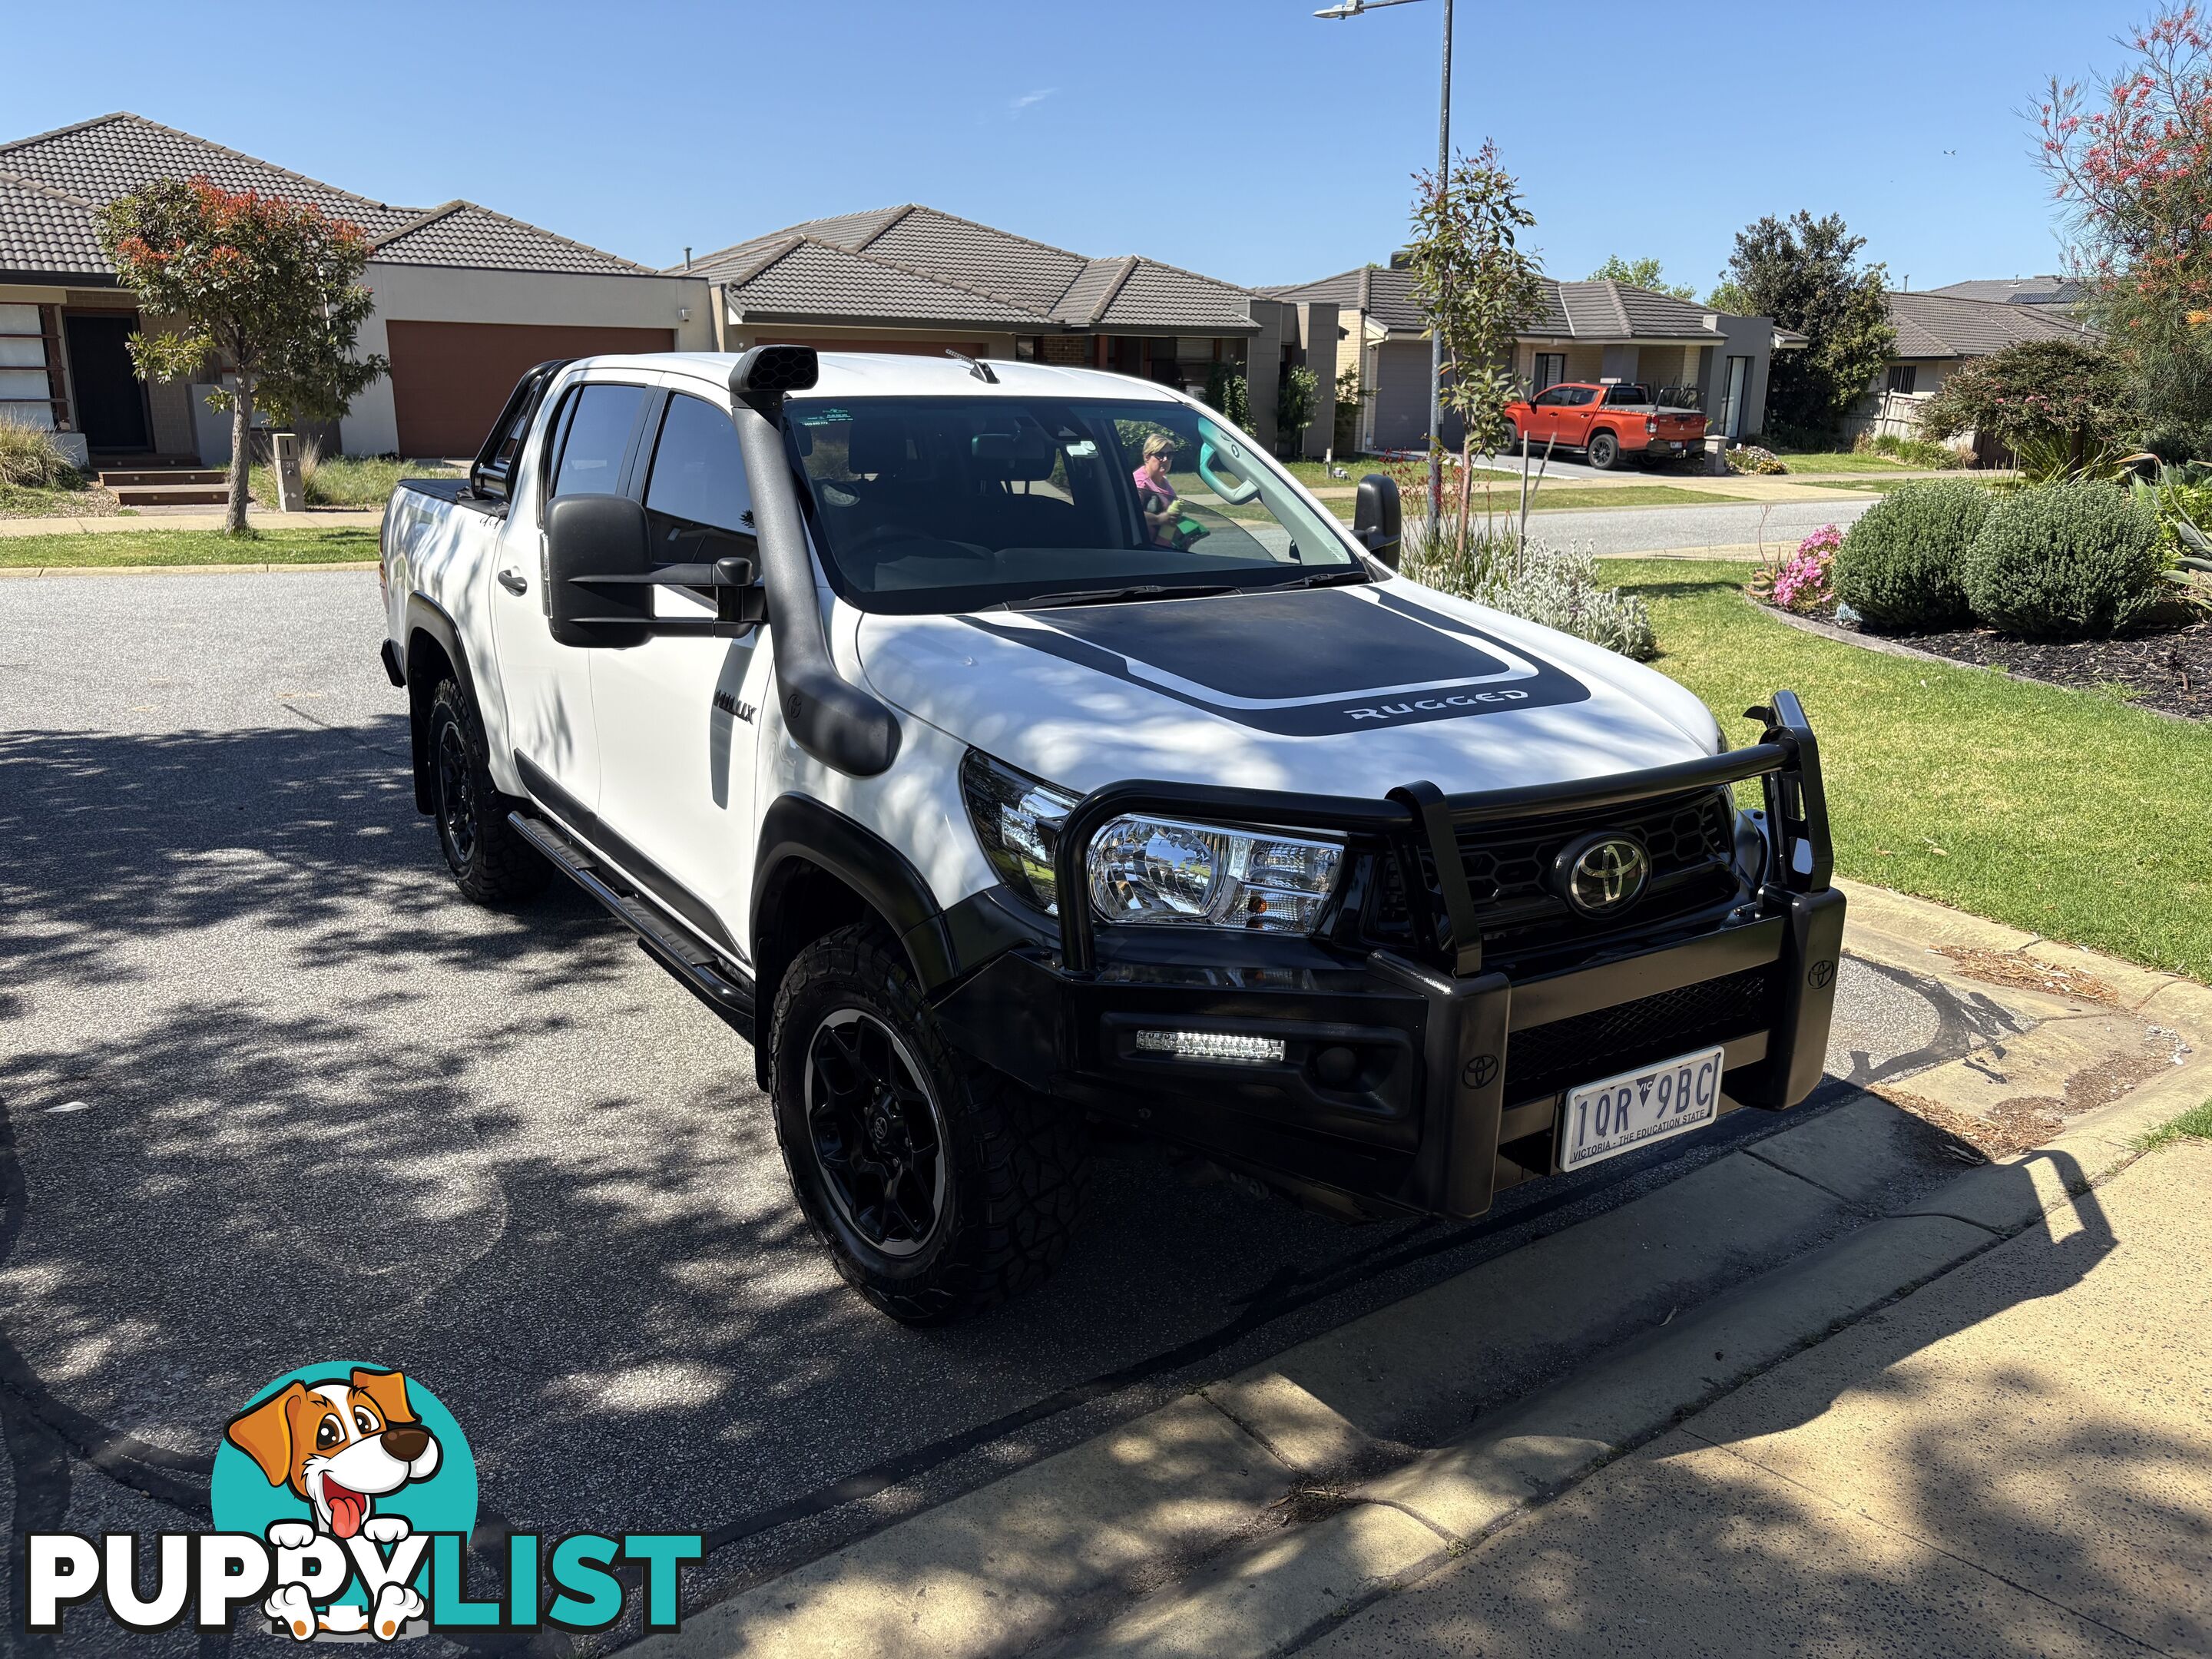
column 272, row 1093
column 1619, row 529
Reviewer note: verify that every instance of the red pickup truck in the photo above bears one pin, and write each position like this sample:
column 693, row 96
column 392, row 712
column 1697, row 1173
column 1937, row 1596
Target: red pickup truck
column 1605, row 420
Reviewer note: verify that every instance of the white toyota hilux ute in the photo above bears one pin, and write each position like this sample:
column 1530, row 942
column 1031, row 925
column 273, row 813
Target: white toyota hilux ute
column 1002, row 747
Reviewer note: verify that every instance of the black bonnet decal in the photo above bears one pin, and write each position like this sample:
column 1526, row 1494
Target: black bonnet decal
column 1309, row 663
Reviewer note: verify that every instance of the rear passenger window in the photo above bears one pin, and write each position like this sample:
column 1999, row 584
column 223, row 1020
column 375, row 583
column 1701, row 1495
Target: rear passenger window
column 699, row 468
column 598, row 424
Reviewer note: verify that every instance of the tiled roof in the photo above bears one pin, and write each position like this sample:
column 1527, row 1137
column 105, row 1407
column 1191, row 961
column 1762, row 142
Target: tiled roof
column 2017, row 290
column 1938, row 326
column 462, row 234
column 1581, row 311
column 113, row 155
column 921, row 250
column 805, row 278
column 94, row 162
column 43, row 229
column 1013, row 267
column 1154, row 295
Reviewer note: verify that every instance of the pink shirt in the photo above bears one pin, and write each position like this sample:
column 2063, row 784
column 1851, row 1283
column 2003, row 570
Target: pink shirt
column 1148, row 485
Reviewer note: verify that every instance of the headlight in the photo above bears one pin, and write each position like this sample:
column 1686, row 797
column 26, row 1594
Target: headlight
column 1017, row 819
column 1153, row 871
column 1158, row 871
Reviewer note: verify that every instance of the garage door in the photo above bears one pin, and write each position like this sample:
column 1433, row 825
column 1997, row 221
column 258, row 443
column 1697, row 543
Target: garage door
column 449, row 380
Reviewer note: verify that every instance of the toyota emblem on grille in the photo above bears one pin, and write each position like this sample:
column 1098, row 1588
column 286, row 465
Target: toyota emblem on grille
column 1603, row 874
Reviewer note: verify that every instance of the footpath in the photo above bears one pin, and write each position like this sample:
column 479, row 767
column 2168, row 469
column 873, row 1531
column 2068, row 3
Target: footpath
column 1973, row 1416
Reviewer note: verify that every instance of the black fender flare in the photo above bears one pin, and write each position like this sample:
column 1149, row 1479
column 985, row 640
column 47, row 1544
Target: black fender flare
column 425, row 616
column 799, row 830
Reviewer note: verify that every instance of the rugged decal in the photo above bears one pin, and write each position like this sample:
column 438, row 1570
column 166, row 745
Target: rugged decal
column 1305, row 663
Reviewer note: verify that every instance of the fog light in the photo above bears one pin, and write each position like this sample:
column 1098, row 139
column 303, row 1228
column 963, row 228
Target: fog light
column 1213, row 1045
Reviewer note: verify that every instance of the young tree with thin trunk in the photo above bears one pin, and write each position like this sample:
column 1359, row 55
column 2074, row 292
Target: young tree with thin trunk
column 269, row 289
column 1481, row 290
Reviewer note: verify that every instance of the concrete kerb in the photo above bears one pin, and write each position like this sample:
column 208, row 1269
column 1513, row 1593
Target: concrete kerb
column 8, row 572
column 1027, row 1564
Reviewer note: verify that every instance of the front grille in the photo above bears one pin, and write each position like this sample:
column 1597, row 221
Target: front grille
column 1690, row 839
column 1545, row 1058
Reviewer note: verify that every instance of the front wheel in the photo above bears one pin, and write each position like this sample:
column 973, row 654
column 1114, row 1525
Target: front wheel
column 939, row 1187
column 1604, row 451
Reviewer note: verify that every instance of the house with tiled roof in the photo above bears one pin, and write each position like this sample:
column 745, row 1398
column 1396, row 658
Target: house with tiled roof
column 1595, row 331
column 912, row 278
column 1939, row 331
column 466, row 300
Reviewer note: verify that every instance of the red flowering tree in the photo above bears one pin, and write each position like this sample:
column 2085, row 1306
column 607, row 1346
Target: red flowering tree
column 269, row 289
column 2131, row 156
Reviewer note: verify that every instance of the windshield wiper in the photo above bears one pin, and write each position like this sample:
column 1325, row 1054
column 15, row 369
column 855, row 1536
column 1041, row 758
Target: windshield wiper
column 1319, row 578
column 1109, row 595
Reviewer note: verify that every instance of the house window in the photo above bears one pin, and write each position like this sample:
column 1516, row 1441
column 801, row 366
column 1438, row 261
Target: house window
column 1902, row 376
column 1551, row 369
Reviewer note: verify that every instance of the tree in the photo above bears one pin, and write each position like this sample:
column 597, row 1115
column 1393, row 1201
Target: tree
column 1480, row 289
column 1803, row 273
column 1728, row 296
column 2131, row 160
column 270, row 288
column 2075, row 392
column 1641, row 273
column 1295, row 397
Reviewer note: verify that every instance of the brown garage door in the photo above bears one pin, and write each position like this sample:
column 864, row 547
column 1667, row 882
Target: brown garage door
column 449, row 380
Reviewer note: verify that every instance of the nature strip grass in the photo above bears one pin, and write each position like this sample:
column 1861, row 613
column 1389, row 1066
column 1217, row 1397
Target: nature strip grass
column 323, row 544
column 2066, row 812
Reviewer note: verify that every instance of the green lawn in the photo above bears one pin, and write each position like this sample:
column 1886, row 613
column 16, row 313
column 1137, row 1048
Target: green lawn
column 1841, row 460
column 2063, row 811
column 334, row 543
column 351, row 480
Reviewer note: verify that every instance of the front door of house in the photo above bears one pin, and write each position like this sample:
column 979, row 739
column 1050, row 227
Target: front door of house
column 110, row 401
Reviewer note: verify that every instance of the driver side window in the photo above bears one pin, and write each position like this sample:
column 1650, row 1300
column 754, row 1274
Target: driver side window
column 696, row 497
column 1553, row 398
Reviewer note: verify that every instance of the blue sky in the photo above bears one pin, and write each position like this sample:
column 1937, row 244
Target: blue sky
column 1245, row 138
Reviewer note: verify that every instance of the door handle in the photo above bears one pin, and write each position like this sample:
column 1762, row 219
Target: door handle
column 513, row 582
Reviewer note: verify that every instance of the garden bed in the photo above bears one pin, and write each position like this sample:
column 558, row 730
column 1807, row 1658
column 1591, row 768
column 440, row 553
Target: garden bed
column 2168, row 669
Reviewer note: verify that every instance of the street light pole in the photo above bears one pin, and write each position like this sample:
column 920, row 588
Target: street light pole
column 1353, row 9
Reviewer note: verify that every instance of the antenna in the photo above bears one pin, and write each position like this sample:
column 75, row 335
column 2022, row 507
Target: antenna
column 981, row 370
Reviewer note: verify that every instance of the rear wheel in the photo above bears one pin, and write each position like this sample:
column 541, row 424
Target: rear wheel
column 1604, row 451
column 491, row 862
column 940, row 1188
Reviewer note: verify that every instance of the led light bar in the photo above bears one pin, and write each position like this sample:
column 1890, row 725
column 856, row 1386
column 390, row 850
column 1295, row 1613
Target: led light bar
column 1230, row 1045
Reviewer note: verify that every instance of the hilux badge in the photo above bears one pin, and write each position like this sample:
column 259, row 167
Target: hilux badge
column 1602, row 874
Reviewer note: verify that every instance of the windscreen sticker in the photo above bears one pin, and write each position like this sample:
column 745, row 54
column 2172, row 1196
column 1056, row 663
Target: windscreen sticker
column 1310, row 663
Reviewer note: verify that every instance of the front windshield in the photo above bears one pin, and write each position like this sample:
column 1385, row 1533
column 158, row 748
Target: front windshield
column 946, row 504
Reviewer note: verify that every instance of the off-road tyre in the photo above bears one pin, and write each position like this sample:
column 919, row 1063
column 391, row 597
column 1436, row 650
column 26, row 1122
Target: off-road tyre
column 1014, row 1161
column 1604, row 451
column 491, row 863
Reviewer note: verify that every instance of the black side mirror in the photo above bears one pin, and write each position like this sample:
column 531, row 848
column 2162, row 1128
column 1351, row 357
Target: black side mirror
column 596, row 549
column 1377, row 517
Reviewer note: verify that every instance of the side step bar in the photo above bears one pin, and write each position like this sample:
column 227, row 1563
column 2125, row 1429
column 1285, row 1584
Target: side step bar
column 719, row 984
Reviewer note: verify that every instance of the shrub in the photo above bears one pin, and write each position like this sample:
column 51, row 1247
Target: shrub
column 2068, row 559
column 1802, row 581
column 30, row 459
column 1913, row 451
column 1549, row 586
column 1898, row 565
column 1750, row 457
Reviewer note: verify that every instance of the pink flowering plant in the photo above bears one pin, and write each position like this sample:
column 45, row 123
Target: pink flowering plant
column 1800, row 582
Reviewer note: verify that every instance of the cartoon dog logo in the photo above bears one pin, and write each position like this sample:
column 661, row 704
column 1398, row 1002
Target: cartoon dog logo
column 340, row 1445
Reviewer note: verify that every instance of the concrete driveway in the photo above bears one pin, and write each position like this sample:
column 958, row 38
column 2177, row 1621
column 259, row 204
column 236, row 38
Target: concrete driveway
column 274, row 1094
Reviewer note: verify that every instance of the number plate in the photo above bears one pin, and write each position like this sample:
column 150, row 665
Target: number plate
column 1604, row 1120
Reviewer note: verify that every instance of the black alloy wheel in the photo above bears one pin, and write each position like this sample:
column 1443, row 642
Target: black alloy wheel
column 491, row 861
column 875, row 1133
